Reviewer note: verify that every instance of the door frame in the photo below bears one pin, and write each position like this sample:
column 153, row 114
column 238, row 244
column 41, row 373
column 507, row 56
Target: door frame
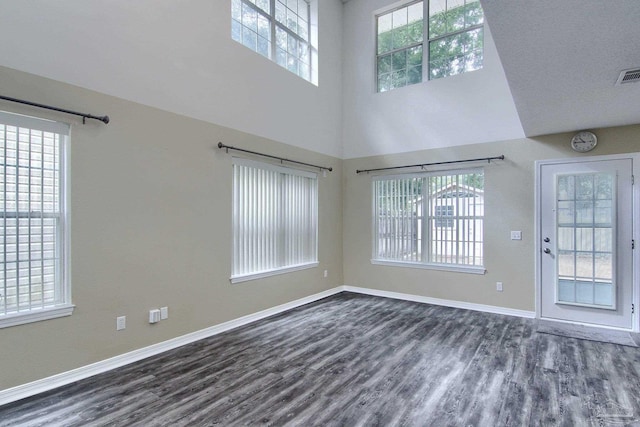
column 635, row 160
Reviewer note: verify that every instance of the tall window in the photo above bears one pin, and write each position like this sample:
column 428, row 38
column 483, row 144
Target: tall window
column 400, row 47
column 279, row 30
column 454, row 33
column 430, row 220
column 275, row 220
column 33, row 282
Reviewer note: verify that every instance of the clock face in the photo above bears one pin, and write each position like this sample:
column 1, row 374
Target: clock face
column 584, row 141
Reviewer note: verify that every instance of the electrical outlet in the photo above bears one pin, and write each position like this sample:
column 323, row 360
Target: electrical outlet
column 121, row 323
column 154, row 315
column 516, row 235
column 499, row 286
column 326, row 273
column 164, row 313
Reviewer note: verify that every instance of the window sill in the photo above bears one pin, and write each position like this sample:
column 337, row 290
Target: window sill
column 441, row 267
column 15, row 319
column 268, row 273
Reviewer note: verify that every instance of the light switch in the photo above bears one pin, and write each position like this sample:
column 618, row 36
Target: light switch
column 516, row 235
column 121, row 323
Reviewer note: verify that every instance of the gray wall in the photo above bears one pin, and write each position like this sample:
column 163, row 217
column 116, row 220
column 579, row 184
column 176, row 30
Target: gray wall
column 510, row 205
column 151, row 216
column 150, row 201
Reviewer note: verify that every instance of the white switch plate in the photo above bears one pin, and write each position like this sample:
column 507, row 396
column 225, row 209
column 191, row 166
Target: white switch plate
column 499, row 286
column 326, row 273
column 516, row 235
column 121, row 323
column 164, row 313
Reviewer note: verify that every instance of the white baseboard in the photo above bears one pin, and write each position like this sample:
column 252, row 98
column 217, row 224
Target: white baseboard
column 445, row 302
column 39, row 386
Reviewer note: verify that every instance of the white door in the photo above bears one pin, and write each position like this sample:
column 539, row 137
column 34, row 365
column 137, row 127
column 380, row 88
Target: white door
column 586, row 242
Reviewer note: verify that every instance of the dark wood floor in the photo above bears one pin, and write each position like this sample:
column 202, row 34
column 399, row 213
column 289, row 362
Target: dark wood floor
column 354, row 360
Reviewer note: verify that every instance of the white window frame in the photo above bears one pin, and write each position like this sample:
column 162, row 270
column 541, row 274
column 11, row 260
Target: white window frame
column 425, row 43
column 424, row 228
column 62, row 305
column 280, row 241
column 435, row 39
column 406, row 48
column 274, row 25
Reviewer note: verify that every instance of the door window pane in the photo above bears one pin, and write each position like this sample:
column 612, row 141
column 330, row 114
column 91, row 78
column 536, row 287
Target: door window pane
column 585, row 230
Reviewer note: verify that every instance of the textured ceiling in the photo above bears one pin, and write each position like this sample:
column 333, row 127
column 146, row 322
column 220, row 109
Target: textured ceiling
column 562, row 60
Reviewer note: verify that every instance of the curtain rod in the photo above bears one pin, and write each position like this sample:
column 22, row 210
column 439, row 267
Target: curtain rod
column 85, row 116
column 282, row 159
column 488, row 159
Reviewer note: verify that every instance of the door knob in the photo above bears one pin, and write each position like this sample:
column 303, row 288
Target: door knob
column 547, row 250
column 547, row 240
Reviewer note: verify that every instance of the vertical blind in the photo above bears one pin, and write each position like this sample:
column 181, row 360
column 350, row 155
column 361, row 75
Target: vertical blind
column 275, row 218
column 32, row 203
column 430, row 218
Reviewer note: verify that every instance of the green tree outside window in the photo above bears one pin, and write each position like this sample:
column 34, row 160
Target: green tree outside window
column 455, row 42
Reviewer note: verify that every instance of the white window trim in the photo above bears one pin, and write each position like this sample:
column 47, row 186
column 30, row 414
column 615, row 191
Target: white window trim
column 36, row 315
column 422, row 43
column 239, row 278
column 442, row 267
column 426, row 71
column 66, row 308
column 312, row 31
column 274, row 272
column 20, row 120
column 458, row 268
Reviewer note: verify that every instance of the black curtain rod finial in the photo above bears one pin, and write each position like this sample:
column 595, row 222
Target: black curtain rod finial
column 103, row 119
column 221, row 146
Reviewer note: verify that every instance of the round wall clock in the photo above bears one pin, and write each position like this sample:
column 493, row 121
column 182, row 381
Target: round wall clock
column 584, row 141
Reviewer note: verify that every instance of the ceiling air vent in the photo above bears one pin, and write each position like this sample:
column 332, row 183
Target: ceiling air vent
column 629, row 76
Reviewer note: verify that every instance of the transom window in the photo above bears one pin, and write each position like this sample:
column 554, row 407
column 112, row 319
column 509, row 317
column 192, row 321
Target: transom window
column 454, row 30
column 275, row 220
column 33, row 283
column 279, row 30
column 430, row 220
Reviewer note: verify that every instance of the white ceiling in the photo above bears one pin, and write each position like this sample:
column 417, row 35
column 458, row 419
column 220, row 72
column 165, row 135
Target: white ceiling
column 562, row 60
